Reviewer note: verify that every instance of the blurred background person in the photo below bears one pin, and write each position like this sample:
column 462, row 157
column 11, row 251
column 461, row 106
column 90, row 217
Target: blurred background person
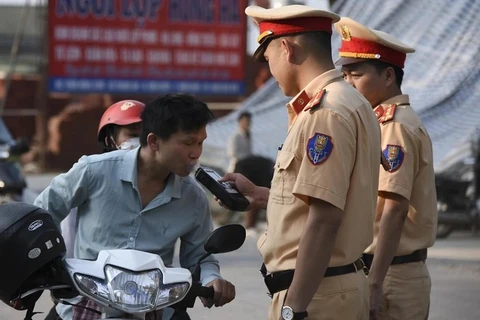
column 242, row 160
column 260, row 171
column 240, row 144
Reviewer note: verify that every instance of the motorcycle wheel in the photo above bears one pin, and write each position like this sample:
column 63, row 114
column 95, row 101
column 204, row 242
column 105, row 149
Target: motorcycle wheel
column 444, row 230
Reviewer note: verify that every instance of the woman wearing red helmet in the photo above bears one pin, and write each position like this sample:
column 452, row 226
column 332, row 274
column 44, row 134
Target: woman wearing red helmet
column 120, row 125
column 119, row 128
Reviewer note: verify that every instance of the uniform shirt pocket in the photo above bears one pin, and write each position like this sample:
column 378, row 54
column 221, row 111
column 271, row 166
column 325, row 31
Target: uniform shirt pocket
column 283, row 179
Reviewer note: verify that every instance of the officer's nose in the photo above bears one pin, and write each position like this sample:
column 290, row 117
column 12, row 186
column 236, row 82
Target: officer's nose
column 349, row 80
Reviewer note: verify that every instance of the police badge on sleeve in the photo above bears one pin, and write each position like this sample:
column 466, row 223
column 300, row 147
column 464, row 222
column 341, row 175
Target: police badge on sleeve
column 319, row 148
column 394, row 155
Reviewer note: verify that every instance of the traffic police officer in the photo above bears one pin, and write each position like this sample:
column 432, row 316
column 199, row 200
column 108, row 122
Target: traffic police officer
column 323, row 195
column 406, row 216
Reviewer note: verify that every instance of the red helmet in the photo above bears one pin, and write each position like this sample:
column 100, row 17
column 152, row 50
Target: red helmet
column 121, row 113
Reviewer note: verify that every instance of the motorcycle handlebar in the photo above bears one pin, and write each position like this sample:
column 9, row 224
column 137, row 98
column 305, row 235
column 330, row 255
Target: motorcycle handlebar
column 206, row 292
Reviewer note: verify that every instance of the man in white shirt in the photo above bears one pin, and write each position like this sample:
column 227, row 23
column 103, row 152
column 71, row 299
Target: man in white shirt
column 240, row 144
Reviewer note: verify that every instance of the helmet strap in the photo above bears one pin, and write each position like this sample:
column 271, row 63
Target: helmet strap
column 109, row 144
column 31, row 313
column 110, row 132
column 30, row 301
column 113, row 143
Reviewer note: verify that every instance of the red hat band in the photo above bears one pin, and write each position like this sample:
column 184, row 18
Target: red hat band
column 291, row 26
column 365, row 49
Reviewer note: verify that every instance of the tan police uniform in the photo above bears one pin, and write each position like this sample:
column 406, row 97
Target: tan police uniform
column 331, row 153
column 408, row 149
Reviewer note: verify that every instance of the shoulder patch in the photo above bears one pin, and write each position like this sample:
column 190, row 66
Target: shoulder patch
column 319, row 148
column 388, row 113
column 384, row 162
column 316, row 102
column 394, row 155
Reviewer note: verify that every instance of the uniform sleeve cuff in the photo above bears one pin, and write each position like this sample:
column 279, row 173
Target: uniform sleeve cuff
column 304, row 190
column 385, row 186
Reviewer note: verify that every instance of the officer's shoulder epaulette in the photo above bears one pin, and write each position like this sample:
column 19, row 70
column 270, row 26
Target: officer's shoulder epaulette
column 385, row 113
column 316, row 102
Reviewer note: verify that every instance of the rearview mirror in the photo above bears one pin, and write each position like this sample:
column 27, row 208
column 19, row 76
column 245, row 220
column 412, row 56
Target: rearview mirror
column 222, row 240
column 225, row 239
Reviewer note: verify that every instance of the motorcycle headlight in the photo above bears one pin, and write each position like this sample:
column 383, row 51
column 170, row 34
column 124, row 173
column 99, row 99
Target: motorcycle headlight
column 132, row 292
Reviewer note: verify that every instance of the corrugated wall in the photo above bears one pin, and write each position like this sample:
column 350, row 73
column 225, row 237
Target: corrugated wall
column 442, row 77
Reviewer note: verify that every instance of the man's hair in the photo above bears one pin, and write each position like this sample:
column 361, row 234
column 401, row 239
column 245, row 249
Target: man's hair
column 382, row 65
column 171, row 113
column 318, row 43
column 244, row 114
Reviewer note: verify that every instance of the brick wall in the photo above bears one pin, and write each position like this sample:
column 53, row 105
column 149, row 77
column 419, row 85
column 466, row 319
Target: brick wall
column 78, row 131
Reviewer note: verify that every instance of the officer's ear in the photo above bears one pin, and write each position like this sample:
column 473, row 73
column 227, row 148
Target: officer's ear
column 390, row 78
column 288, row 48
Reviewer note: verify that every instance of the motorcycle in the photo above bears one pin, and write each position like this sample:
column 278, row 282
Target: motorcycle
column 12, row 181
column 456, row 204
column 129, row 284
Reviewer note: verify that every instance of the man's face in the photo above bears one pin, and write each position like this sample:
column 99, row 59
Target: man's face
column 181, row 151
column 371, row 83
column 244, row 123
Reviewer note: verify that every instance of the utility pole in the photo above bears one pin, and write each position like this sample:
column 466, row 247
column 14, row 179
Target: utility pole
column 17, row 40
column 42, row 91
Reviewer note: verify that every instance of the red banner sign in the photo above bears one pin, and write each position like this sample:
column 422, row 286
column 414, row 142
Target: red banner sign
column 147, row 46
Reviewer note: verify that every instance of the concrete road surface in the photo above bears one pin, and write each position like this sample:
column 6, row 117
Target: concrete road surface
column 454, row 264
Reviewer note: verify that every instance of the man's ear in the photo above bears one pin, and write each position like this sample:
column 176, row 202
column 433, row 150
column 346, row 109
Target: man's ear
column 390, row 77
column 153, row 141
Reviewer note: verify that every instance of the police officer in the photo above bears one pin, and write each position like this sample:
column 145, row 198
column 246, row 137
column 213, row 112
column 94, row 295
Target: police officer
column 406, row 216
column 323, row 194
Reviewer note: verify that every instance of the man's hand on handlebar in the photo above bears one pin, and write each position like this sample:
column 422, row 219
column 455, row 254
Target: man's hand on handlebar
column 224, row 292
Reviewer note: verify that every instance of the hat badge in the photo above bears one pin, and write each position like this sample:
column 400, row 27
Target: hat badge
column 346, row 36
column 127, row 105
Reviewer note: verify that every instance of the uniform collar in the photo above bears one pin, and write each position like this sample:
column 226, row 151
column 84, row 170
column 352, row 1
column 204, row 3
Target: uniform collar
column 129, row 174
column 387, row 108
column 400, row 99
column 298, row 103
